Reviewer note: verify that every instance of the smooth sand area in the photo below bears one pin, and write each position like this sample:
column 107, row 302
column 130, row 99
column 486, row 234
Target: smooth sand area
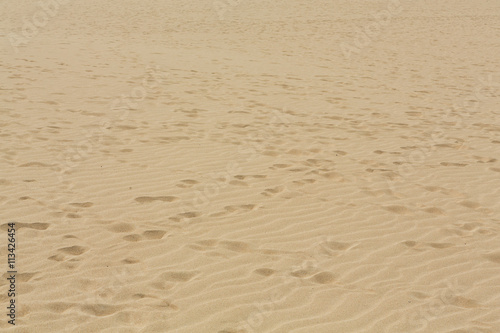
column 251, row 166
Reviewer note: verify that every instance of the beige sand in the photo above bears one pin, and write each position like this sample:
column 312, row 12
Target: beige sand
column 252, row 166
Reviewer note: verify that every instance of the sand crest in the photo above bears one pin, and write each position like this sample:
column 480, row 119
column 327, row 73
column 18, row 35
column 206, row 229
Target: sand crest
column 251, row 166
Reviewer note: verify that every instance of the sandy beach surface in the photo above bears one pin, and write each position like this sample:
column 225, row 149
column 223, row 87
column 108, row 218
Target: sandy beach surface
column 250, row 166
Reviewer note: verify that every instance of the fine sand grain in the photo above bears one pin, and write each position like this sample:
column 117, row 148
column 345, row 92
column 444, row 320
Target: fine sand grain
column 251, row 166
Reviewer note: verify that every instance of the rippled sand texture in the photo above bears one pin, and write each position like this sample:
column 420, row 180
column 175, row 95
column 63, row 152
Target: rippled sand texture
column 181, row 166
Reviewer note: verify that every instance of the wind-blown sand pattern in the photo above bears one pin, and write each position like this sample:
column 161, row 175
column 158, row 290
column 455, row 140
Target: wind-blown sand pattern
column 252, row 166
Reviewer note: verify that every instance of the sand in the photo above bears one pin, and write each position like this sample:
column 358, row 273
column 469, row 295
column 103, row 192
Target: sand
column 251, row 166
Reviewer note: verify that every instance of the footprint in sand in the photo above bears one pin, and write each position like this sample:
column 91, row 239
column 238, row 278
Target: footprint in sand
column 151, row 199
column 74, row 250
column 264, row 271
column 453, row 164
column 279, row 166
column 463, row 302
column 304, row 181
column 240, row 208
column 470, row 204
column 397, row 209
column 59, row 307
column 493, row 257
column 441, row 245
column 187, row 215
column 409, row 243
column 100, row 310
column 178, row 276
column 204, row 245
column 434, row 210
column 132, row 238
column 233, row 209
column 82, row 204
column 22, row 277
column 187, row 183
column 121, row 227
column 333, row 247
column 130, row 261
column 238, row 183
column 154, row 234
column 236, row 246
column 302, row 273
column 35, row 164
column 323, row 278
column 243, row 177
column 273, row 191
column 485, row 159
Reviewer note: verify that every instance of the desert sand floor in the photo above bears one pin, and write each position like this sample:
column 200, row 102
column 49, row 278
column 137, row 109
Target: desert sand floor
column 251, row 166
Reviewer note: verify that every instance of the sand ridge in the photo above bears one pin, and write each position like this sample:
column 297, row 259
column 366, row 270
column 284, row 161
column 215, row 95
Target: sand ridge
column 211, row 166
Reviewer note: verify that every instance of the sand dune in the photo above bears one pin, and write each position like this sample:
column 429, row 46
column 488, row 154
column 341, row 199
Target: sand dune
column 251, row 166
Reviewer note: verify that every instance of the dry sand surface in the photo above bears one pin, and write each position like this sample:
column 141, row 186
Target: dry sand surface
column 251, row 166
